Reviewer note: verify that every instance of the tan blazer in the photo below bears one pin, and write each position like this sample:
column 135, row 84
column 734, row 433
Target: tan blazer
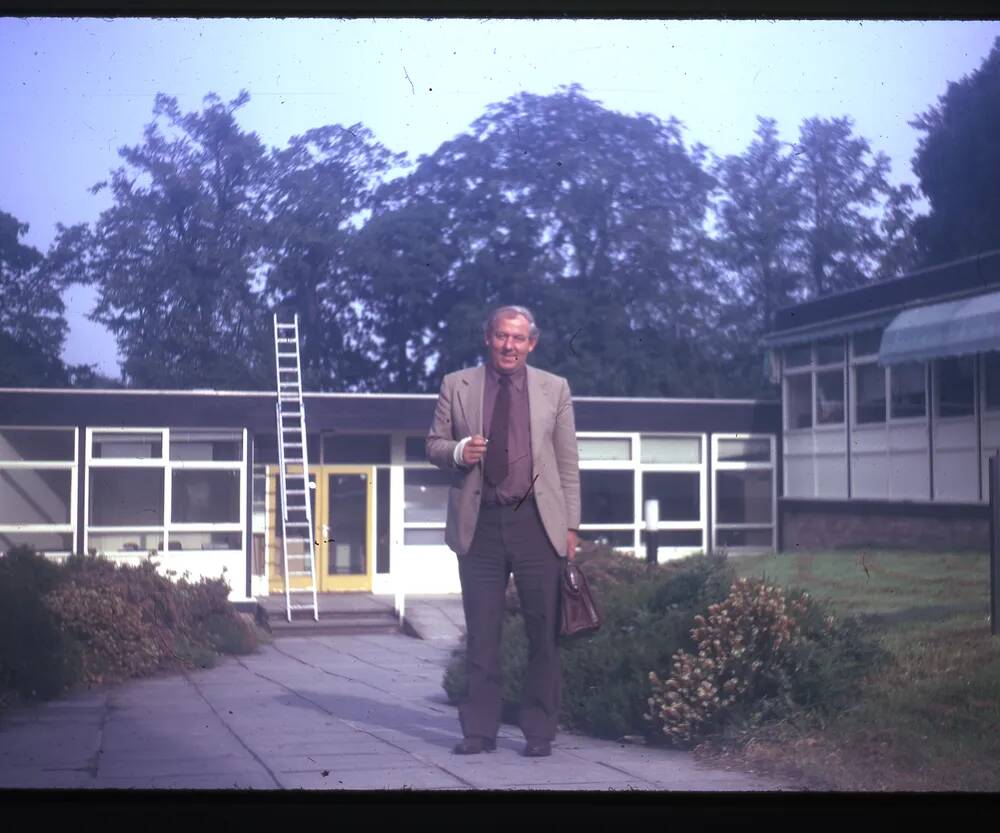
column 554, row 453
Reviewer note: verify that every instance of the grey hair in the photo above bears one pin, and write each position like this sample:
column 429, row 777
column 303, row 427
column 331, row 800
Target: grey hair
column 510, row 311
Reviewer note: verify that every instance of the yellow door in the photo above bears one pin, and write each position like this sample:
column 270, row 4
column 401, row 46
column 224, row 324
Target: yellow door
column 344, row 503
column 342, row 515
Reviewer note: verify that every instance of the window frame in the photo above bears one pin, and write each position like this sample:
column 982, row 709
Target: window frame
column 813, row 369
column 50, row 465
column 638, row 469
column 733, row 465
column 168, row 467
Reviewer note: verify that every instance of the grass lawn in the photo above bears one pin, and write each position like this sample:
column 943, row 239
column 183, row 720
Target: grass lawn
column 929, row 719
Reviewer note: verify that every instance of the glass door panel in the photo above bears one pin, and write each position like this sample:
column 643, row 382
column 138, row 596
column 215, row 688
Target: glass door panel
column 345, row 561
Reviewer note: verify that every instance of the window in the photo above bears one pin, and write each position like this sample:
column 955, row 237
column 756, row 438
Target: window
column 205, row 445
column 743, row 497
column 678, row 493
column 207, row 540
column 205, row 497
column 425, row 495
column 671, row 450
column 38, row 477
column 908, row 390
column 619, row 538
column 425, row 505
column 744, row 491
column 605, row 448
column 192, row 499
column 128, row 445
column 955, row 386
column 35, row 497
column 830, row 351
column 356, row 448
column 800, row 356
column 38, row 444
column 416, row 449
column 608, row 497
column 829, row 397
column 798, row 401
column 259, row 488
column 869, row 383
column 866, row 343
column 744, row 450
column 126, row 497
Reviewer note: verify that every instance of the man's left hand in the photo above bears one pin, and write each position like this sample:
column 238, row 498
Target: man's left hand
column 571, row 541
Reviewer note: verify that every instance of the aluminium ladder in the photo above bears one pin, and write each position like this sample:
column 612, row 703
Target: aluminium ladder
column 297, row 541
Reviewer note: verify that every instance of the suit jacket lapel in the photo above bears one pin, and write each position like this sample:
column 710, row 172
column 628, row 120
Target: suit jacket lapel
column 537, row 395
column 470, row 396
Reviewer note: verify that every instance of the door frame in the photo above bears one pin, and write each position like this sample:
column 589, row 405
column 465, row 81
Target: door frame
column 342, row 583
column 324, row 583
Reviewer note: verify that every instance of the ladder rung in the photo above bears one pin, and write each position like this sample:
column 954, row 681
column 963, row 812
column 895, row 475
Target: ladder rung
column 287, row 340
column 301, row 607
column 285, row 326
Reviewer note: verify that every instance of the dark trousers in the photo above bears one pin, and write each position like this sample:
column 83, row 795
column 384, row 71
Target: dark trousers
column 510, row 540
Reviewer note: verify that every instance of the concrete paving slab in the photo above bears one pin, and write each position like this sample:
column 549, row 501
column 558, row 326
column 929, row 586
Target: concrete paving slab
column 156, row 767
column 350, row 762
column 367, row 711
column 413, row 778
column 487, row 774
column 219, row 781
column 46, row 779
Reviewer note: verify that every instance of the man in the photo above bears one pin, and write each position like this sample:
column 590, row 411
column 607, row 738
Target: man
column 507, row 432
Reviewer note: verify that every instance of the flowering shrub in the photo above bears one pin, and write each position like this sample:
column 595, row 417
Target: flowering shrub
column 116, row 642
column 749, row 651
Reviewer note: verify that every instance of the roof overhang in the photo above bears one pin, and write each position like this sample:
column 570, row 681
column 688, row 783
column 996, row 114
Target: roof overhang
column 952, row 328
column 839, row 327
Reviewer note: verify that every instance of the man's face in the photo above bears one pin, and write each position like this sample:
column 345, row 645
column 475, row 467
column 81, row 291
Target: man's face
column 510, row 343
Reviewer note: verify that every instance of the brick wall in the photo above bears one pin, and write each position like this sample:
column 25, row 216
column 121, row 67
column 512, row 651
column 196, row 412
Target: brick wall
column 812, row 529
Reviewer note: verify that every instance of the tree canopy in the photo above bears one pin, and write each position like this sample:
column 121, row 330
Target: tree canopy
column 653, row 270
column 958, row 163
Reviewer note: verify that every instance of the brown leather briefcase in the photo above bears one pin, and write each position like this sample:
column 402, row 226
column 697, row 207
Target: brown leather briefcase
column 579, row 613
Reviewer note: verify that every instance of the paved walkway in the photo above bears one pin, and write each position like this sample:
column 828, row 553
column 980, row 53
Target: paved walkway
column 317, row 712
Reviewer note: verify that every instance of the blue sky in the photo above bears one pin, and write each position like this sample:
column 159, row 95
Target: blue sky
column 73, row 91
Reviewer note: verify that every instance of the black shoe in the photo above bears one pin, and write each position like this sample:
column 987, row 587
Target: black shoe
column 537, row 749
column 473, row 746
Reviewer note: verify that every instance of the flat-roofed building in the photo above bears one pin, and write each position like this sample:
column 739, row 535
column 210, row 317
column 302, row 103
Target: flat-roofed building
column 891, row 410
column 191, row 476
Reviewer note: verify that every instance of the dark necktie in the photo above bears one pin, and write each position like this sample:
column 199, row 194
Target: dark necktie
column 495, row 467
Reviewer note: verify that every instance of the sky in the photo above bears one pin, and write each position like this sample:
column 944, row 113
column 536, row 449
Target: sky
column 73, row 91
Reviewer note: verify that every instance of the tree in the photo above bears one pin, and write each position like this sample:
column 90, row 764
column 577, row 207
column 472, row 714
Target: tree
column 593, row 218
column 758, row 240
column 32, row 321
column 958, row 164
column 323, row 184
column 841, row 186
column 176, row 257
column 900, row 252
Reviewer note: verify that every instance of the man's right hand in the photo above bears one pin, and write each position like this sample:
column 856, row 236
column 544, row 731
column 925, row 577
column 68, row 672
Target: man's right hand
column 474, row 450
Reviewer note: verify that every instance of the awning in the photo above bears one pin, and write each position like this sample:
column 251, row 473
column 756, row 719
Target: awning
column 844, row 326
column 953, row 328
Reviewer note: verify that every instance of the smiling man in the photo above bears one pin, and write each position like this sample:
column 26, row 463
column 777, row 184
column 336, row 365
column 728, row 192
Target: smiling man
column 508, row 433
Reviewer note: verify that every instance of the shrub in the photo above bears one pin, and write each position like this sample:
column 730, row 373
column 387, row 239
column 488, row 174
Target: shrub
column 648, row 613
column 90, row 620
column 759, row 654
column 117, row 643
column 37, row 659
